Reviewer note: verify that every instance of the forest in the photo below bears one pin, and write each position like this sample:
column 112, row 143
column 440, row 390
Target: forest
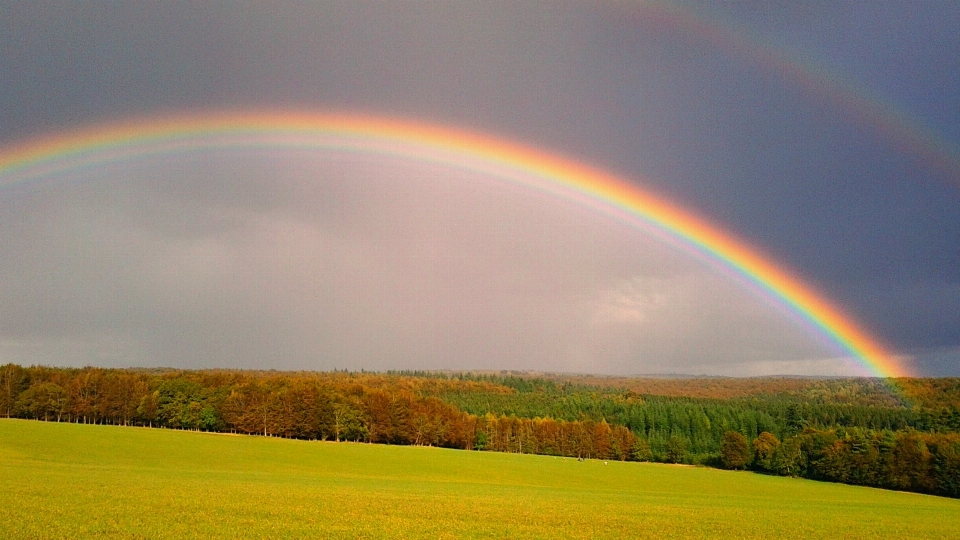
column 899, row 434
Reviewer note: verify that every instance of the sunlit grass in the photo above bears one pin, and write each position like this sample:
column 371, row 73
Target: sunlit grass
column 76, row 481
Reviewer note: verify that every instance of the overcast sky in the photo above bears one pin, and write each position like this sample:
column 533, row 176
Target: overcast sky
column 825, row 133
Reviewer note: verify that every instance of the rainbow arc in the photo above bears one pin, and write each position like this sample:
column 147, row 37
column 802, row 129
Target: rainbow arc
column 526, row 166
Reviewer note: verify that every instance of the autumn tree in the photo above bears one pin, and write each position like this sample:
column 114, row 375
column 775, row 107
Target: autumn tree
column 84, row 391
column 734, row 450
column 945, row 465
column 764, row 447
column 621, row 442
column 601, row 440
column 249, row 408
column 13, row 380
column 380, row 426
column 911, row 461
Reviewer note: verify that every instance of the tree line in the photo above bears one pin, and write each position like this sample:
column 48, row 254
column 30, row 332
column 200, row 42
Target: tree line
column 698, row 424
column 874, row 441
column 337, row 407
column 905, row 460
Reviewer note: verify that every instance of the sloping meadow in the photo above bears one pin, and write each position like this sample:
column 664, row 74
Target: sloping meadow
column 60, row 480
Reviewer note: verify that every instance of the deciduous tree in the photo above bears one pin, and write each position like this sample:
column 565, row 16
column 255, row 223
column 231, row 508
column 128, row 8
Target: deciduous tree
column 734, row 450
column 764, row 447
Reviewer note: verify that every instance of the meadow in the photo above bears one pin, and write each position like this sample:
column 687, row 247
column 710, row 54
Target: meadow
column 60, row 480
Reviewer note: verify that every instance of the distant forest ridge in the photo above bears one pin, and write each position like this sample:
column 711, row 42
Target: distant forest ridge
column 927, row 392
column 894, row 433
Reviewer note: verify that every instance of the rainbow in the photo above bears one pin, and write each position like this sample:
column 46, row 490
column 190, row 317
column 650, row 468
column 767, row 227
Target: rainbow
column 526, row 166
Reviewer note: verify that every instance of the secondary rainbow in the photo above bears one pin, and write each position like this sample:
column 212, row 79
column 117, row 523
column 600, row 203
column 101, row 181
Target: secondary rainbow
column 904, row 131
column 44, row 157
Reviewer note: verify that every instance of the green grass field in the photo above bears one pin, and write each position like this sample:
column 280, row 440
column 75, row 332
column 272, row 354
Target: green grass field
column 76, row 481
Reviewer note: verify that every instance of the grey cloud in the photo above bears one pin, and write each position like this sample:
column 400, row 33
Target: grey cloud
column 315, row 260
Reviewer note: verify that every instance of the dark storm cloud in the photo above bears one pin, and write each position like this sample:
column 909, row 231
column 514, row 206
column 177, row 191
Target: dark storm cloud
column 619, row 85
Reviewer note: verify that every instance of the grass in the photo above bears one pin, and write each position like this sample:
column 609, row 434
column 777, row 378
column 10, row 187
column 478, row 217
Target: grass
column 83, row 481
